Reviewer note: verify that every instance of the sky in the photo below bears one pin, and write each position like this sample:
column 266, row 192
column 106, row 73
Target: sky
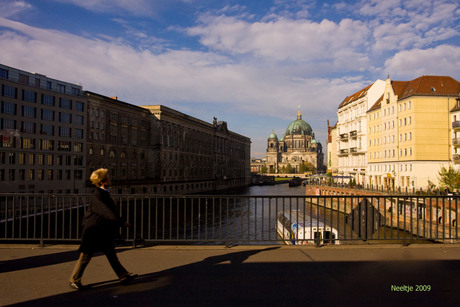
column 250, row 63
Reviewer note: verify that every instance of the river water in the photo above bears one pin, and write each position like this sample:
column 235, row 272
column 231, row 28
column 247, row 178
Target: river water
column 250, row 215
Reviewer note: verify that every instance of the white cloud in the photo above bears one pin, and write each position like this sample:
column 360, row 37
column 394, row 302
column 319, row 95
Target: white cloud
column 126, row 7
column 442, row 60
column 172, row 77
column 12, row 8
column 287, row 39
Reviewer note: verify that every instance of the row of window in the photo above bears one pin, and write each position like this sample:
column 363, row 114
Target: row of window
column 48, row 115
column 40, row 159
column 389, row 111
column 42, row 144
column 391, row 153
column 48, row 100
column 41, row 174
column 25, row 79
column 390, row 167
column 44, row 129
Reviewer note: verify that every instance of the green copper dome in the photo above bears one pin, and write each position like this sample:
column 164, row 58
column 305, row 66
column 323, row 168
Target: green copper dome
column 299, row 126
column 273, row 136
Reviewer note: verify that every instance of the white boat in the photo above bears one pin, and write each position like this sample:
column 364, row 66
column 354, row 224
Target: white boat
column 295, row 228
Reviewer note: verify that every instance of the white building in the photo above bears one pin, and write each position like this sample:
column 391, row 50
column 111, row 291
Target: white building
column 352, row 131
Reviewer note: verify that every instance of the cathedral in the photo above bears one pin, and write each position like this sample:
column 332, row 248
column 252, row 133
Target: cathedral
column 298, row 147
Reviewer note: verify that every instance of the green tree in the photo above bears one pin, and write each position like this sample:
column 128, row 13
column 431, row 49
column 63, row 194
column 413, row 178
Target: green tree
column 289, row 169
column 264, row 170
column 449, row 178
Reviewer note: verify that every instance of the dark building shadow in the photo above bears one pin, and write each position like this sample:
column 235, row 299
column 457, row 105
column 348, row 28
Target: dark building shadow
column 228, row 281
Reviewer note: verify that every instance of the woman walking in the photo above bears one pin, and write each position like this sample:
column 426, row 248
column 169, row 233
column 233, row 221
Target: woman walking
column 100, row 227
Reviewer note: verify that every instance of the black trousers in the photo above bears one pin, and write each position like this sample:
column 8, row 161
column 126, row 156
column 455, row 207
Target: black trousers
column 84, row 260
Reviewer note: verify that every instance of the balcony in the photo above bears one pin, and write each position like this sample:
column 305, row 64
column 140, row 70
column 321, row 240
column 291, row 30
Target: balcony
column 456, row 124
column 344, row 136
column 354, row 149
column 354, row 134
column 456, row 141
column 344, row 151
column 456, row 158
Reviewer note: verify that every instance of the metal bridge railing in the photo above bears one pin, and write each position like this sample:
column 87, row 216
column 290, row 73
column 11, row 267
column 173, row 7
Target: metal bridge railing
column 240, row 219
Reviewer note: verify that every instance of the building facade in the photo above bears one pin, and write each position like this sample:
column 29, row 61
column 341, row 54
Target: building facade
column 410, row 132
column 332, row 163
column 352, row 131
column 196, row 156
column 122, row 138
column 455, row 120
column 298, row 146
column 43, row 131
column 54, row 134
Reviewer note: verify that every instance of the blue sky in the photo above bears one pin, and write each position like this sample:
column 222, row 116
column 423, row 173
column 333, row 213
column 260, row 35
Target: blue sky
column 250, row 63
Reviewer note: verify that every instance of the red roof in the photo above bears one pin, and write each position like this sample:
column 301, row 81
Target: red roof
column 355, row 96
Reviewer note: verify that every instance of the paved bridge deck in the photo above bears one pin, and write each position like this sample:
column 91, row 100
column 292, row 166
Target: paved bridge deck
column 237, row 276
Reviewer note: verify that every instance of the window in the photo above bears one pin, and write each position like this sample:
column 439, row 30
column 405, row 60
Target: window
column 28, row 127
column 48, row 85
column 78, row 119
column 29, row 96
column 78, row 147
column 3, row 73
column 24, row 79
column 47, row 129
column 8, row 124
column 27, row 143
column 65, row 103
column 75, row 91
column 46, row 144
column 48, row 100
column 9, row 108
column 65, row 117
column 79, row 106
column 47, row 115
column 9, row 91
column 61, row 88
column 65, row 131
column 78, row 133
column 28, row 111
column 64, row 146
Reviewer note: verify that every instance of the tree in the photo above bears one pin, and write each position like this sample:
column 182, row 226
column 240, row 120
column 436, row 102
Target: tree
column 264, row 170
column 449, row 178
column 306, row 167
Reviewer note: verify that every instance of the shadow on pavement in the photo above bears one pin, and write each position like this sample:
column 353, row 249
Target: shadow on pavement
column 228, row 281
column 43, row 260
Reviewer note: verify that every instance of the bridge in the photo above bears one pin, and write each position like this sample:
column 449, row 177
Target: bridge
column 171, row 275
column 225, row 251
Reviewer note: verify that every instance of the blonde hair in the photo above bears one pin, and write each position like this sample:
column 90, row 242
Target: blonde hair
column 99, row 176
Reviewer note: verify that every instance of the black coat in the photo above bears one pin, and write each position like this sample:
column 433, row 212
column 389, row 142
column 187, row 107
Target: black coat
column 101, row 223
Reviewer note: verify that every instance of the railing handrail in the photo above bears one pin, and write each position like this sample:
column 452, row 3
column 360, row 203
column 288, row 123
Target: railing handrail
column 236, row 218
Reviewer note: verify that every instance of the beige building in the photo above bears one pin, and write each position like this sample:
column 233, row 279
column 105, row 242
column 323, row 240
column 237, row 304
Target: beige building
column 455, row 120
column 410, row 132
column 332, row 161
column 42, row 126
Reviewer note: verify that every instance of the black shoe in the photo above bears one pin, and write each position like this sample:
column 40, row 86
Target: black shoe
column 76, row 285
column 128, row 278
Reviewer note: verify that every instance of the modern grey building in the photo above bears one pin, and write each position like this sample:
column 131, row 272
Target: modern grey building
column 43, row 133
